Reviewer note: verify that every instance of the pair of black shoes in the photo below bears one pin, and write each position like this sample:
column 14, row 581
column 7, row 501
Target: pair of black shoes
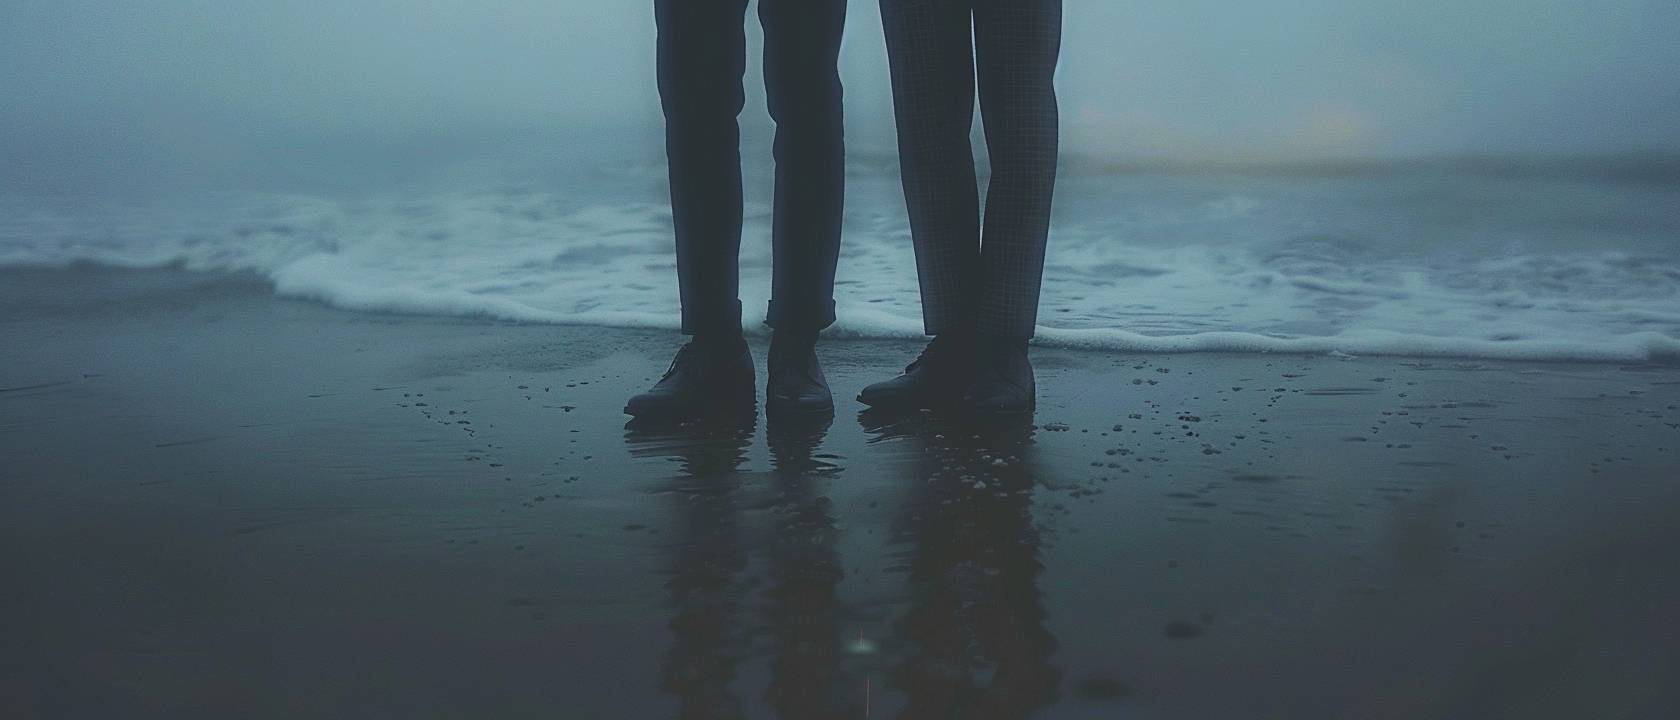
column 962, row 373
column 713, row 376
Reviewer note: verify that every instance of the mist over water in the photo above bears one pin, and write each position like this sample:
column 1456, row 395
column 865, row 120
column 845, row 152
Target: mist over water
column 223, row 83
column 1489, row 180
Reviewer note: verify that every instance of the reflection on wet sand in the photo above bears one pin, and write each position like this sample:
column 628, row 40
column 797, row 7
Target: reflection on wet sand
column 973, row 642
column 969, row 637
column 708, row 554
column 711, row 550
column 805, row 611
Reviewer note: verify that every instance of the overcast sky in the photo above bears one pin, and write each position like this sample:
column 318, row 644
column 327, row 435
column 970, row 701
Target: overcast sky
column 1187, row 78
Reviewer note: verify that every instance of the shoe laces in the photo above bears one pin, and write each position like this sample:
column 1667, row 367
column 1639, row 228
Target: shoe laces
column 680, row 359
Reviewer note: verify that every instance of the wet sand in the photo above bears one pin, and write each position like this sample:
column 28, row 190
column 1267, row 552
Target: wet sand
column 214, row 503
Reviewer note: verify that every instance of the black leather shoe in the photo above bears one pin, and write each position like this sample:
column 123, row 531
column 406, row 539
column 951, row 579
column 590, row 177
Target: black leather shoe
column 705, row 378
column 1003, row 381
column 796, row 384
column 935, row 379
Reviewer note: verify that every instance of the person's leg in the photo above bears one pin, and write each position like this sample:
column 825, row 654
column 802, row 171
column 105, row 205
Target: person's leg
column 1017, row 43
column 931, row 58
column 1016, row 47
column 802, row 83
column 702, row 57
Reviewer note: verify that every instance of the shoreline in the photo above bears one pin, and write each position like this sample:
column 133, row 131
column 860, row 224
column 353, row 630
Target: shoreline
column 1641, row 348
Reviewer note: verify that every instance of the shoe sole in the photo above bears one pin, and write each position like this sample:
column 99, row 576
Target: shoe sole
column 882, row 403
column 687, row 412
column 946, row 405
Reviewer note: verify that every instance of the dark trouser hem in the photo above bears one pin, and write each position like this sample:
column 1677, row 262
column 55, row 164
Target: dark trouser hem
column 995, row 329
column 1003, row 340
column 721, row 320
column 949, row 314
column 949, row 328
column 1021, row 328
column 805, row 317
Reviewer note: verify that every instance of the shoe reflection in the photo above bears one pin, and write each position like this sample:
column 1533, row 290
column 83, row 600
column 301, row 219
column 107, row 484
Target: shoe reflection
column 706, row 558
column 970, row 639
column 804, row 610
column 713, row 445
column 715, row 623
column 973, row 642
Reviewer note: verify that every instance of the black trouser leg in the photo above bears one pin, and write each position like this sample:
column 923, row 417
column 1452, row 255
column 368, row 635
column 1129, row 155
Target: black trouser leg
column 1016, row 44
column 990, row 283
column 802, row 82
column 931, row 57
column 702, row 57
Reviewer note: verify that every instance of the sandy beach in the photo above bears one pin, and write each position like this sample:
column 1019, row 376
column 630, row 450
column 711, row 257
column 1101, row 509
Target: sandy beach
column 219, row 503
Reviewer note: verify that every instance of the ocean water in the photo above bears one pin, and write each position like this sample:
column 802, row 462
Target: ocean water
column 1473, row 260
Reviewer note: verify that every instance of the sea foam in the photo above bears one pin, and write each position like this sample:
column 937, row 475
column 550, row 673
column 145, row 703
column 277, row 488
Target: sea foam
column 1495, row 268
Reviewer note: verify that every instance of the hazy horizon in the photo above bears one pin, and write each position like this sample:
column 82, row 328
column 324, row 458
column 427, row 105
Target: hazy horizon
column 229, row 83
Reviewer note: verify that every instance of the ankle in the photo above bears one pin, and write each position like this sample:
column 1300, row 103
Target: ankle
column 1004, row 344
column 793, row 340
column 957, row 338
column 721, row 342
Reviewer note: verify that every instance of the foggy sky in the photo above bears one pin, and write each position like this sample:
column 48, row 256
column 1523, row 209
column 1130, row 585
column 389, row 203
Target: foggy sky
column 1182, row 79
